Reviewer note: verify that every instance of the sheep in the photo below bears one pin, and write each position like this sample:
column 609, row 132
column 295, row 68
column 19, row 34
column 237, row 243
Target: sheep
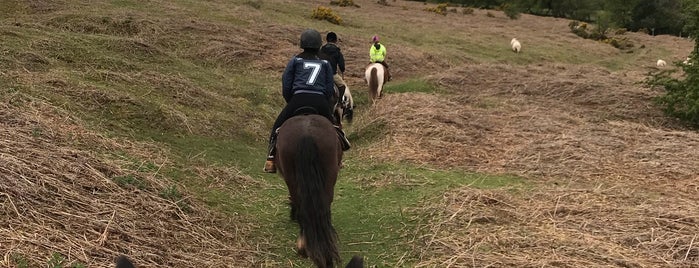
column 661, row 63
column 687, row 61
column 516, row 46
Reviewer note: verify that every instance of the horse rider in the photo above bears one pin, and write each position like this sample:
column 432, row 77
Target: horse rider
column 307, row 81
column 377, row 54
column 332, row 53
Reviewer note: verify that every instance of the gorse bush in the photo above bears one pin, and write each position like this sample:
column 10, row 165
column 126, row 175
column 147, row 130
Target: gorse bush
column 599, row 33
column 510, row 10
column 325, row 13
column 579, row 29
column 440, row 9
column 467, row 11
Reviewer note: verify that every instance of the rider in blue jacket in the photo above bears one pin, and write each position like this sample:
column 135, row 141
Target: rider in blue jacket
column 307, row 82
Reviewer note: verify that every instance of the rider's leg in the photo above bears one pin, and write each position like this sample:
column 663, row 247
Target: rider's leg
column 341, row 86
column 272, row 146
column 388, row 72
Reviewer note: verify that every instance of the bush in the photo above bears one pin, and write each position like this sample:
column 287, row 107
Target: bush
column 324, row 13
column 620, row 31
column 600, row 34
column 467, row 11
column 440, row 9
column 511, row 11
column 620, row 43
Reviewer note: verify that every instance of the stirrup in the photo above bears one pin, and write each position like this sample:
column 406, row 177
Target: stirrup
column 269, row 167
column 343, row 139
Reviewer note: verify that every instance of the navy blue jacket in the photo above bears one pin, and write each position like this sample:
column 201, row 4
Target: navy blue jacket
column 307, row 76
column 334, row 56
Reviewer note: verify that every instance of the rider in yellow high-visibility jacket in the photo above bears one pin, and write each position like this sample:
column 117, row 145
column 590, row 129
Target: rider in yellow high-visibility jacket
column 377, row 54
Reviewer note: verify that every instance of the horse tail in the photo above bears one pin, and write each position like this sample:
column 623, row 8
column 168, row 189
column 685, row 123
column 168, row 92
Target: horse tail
column 314, row 209
column 374, row 83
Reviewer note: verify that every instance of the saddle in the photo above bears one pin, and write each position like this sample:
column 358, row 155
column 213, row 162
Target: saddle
column 306, row 110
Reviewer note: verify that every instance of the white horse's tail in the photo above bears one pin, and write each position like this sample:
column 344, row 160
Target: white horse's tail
column 373, row 84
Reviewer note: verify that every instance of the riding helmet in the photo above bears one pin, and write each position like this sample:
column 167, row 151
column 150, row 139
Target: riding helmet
column 311, row 39
column 331, row 37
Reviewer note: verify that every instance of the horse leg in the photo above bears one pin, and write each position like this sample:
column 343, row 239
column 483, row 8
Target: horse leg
column 293, row 198
column 301, row 245
column 293, row 203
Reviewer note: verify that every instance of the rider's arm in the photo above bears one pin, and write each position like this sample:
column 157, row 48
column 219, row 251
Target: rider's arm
column 329, row 81
column 288, row 80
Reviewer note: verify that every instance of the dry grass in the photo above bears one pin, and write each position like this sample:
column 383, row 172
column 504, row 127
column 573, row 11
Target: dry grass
column 614, row 182
column 59, row 193
column 613, row 225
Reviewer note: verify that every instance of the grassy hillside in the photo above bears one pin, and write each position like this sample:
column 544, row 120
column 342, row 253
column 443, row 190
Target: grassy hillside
column 140, row 128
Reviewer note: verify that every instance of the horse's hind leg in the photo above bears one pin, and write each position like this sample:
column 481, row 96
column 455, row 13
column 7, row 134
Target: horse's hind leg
column 294, row 208
column 293, row 201
column 301, row 245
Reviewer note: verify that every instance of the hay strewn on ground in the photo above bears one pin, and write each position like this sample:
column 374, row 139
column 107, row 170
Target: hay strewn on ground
column 59, row 195
column 612, row 225
column 614, row 181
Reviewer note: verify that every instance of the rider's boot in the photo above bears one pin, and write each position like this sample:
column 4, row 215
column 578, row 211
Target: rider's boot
column 269, row 164
column 343, row 139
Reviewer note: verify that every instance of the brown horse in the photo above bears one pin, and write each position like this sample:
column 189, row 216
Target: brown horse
column 308, row 158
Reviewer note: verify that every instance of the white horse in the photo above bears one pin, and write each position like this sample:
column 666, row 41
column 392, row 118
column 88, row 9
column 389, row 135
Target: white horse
column 375, row 75
column 345, row 107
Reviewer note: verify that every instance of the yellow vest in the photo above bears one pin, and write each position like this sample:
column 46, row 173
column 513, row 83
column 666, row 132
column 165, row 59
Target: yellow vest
column 377, row 55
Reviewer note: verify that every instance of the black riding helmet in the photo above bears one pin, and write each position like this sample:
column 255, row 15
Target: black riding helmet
column 311, row 39
column 331, row 37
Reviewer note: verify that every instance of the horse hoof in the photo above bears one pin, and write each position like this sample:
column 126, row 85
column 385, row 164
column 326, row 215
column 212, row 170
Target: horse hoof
column 301, row 247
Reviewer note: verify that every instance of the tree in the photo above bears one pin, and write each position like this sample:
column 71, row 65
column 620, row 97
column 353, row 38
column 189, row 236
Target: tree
column 659, row 16
column 622, row 10
column 681, row 97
